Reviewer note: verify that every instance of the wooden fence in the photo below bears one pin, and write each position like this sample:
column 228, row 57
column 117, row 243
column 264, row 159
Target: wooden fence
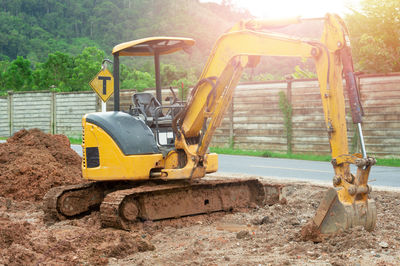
column 253, row 121
column 256, row 122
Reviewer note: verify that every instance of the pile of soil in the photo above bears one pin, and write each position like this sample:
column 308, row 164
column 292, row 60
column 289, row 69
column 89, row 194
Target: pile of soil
column 32, row 162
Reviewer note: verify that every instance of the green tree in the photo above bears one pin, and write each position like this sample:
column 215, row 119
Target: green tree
column 13, row 41
column 87, row 65
column 34, row 28
column 137, row 80
column 171, row 73
column 3, row 68
column 375, row 35
column 69, row 73
column 56, row 71
column 18, row 75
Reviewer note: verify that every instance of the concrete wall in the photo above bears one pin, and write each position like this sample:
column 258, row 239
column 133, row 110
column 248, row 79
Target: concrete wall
column 4, row 117
column 69, row 109
column 57, row 113
column 31, row 110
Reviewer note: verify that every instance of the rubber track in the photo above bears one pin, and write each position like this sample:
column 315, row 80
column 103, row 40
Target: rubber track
column 50, row 201
column 110, row 208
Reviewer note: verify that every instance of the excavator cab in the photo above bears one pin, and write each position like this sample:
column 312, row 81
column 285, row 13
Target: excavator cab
column 146, row 106
column 154, row 46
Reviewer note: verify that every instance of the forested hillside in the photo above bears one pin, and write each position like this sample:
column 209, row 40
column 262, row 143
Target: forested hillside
column 60, row 43
column 53, row 34
column 34, row 28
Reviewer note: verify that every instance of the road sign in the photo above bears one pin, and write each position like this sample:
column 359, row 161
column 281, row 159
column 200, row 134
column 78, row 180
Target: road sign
column 103, row 84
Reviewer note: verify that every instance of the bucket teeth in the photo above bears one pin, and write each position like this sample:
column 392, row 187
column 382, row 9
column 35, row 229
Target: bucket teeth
column 333, row 217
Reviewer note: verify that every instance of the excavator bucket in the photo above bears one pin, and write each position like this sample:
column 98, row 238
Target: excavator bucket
column 333, row 217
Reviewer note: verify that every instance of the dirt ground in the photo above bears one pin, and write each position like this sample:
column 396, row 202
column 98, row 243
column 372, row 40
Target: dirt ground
column 268, row 235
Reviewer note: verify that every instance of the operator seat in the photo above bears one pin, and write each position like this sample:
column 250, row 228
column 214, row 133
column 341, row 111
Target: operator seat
column 147, row 104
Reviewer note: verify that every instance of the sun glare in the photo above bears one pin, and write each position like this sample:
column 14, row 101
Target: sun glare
column 293, row 8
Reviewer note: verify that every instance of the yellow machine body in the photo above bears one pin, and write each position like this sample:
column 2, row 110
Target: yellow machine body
column 114, row 165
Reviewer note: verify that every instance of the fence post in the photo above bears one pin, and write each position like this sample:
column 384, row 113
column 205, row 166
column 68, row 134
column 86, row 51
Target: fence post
column 289, row 80
column 10, row 112
column 53, row 115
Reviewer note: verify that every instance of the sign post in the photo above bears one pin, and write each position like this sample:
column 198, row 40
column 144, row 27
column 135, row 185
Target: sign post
column 103, row 85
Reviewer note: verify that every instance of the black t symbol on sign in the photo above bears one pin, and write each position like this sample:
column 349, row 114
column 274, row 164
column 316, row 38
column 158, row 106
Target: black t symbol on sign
column 104, row 79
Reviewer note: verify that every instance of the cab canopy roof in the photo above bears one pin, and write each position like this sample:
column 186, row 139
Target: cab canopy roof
column 148, row 46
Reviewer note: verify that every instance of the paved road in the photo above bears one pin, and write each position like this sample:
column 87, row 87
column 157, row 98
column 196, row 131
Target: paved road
column 294, row 169
column 299, row 169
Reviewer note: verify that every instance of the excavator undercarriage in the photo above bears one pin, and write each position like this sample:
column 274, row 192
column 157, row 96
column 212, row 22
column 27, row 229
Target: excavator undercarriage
column 122, row 204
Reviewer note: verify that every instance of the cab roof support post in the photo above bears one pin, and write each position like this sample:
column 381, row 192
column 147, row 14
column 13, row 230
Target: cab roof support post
column 116, row 81
column 158, row 76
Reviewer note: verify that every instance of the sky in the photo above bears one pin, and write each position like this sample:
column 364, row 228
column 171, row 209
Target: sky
column 293, row 8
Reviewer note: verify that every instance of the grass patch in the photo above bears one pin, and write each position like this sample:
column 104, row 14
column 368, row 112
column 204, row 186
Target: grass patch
column 309, row 157
column 271, row 154
column 75, row 140
column 388, row 162
column 237, row 152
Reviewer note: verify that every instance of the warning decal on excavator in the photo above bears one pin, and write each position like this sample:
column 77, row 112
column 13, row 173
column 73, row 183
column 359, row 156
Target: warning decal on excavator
column 103, row 84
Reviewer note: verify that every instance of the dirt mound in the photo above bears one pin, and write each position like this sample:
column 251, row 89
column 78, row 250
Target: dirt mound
column 11, row 232
column 32, row 162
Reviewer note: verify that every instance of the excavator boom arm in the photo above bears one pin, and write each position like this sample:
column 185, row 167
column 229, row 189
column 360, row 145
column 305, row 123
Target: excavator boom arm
column 235, row 48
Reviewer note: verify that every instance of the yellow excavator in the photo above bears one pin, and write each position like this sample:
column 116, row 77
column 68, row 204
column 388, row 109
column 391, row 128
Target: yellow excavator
column 148, row 162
